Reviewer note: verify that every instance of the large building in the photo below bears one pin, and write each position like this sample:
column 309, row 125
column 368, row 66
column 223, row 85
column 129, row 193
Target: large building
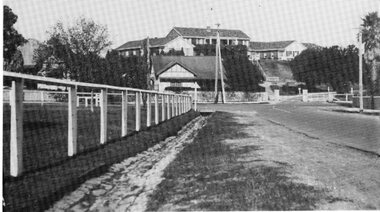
column 156, row 45
column 208, row 36
column 184, row 39
column 181, row 72
column 278, row 50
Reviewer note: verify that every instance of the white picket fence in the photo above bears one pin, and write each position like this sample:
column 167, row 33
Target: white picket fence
column 173, row 104
column 326, row 97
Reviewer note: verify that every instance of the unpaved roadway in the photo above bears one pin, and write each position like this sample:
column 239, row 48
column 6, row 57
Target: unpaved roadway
column 315, row 120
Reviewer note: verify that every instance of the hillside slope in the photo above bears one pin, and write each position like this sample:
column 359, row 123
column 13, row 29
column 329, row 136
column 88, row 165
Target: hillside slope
column 275, row 68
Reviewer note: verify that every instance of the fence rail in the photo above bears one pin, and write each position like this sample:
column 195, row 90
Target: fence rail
column 180, row 104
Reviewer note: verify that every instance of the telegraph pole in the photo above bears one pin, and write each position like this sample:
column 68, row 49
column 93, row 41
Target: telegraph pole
column 218, row 65
column 360, row 72
column 216, row 75
column 221, row 69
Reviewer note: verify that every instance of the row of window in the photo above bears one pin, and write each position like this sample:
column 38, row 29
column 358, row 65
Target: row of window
column 196, row 41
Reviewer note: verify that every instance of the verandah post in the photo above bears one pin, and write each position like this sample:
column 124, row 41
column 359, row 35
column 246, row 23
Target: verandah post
column 156, row 121
column 138, row 111
column 124, row 113
column 73, row 119
column 103, row 115
column 17, row 136
column 148, row 110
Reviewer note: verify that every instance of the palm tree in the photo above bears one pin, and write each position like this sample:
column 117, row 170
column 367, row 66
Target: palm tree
column 371, row 38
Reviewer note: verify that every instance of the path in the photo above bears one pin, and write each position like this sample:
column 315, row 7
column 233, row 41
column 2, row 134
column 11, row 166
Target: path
column 126, row 186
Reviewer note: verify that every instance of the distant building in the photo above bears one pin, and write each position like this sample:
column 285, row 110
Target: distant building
column 278, row 50
column 185, row 39
column 181, row 73
column 197, row 36
column 157, row 45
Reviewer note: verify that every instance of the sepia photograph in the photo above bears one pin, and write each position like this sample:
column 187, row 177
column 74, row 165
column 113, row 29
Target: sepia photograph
column 190, row 105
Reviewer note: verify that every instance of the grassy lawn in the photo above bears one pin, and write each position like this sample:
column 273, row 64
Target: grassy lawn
column 50, row 173
column 45, row 132
column 208, row 176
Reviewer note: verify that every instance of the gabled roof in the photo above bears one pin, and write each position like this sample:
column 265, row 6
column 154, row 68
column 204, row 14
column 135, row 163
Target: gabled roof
column 203, row 67
column 277, row 45
column 153, row 42
column 203, row 32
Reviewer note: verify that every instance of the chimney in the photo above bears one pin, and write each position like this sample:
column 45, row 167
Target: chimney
column 208, row 29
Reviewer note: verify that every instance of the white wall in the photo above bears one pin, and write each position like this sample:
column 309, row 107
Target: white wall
column 178, row 72
column 175, row 72
column 178, row 44
column 296, row 48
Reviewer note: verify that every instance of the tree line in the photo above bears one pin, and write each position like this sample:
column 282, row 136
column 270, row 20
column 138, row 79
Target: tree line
column 338, row 67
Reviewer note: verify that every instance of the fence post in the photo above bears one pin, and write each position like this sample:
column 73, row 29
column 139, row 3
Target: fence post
column 156, row 121
column 168, row 106
column 195, row 98
column 183, row 104
column 176, row 106
column 276, row 95
column 304, row 95
column 92, row 101
column 138, row 111
column 42, row 98
column 103, row 115
column 124, row 113
column 173, row 106
column 163, row 107
column 148, row 110
column 77, row 101
column 72, row 125
column 17, row 136
column 180, row 105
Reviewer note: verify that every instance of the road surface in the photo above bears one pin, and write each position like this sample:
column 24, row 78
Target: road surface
column 314, row 120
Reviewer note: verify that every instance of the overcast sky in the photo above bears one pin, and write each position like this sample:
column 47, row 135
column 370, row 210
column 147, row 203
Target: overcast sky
column 324, row 22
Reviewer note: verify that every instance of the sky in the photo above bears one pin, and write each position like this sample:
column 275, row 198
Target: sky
column 323, row 22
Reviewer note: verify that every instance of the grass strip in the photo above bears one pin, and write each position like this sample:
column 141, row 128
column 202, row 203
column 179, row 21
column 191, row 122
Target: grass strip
column 36, row 191
column 207, row 175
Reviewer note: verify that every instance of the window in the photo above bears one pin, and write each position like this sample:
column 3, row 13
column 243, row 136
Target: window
column 295, row 53
column 288, row 53
column 213, row 41
column 194, row 41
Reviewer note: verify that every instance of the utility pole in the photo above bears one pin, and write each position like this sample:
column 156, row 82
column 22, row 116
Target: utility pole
column 216, row 75
column 218, row 65
column 360, row 72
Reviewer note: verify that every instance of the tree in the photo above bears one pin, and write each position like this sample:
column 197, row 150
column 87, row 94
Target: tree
column 12, row 39
column 77, row 48
column 371, row 37
column 335, row 67
column 241, row 74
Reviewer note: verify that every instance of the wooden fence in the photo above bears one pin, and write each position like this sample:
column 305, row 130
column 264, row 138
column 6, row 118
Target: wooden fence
column 176, row 103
